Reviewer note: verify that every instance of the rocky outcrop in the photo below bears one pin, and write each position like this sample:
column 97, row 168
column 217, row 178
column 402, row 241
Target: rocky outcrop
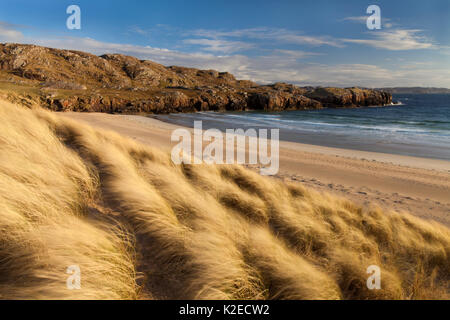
column 351, row 97
column 277, row 101
column 78, row 81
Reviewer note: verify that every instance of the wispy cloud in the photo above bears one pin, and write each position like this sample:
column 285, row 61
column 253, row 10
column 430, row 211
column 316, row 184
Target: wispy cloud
column 385, row 22
column 392, row 39
column 398, row 39
column 360, row 19
column 296, row 54
column 308, row 40
column 217, row 45
column 138, row 30
column 273, row 34
column 9, row 32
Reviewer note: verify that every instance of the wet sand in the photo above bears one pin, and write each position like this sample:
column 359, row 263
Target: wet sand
column 420, row 186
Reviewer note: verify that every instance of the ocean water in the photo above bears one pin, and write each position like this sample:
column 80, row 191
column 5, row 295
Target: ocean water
column 418, row 126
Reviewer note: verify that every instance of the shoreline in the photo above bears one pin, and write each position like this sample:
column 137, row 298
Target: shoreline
column 311, row 133
column 396, row 159
column 403, row 183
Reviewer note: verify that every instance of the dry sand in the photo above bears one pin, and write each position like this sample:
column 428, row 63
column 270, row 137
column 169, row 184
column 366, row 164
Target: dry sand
column 416, row 185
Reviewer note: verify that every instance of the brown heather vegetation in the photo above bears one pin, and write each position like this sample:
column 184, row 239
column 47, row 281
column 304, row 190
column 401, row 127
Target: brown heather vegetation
column 140, row 227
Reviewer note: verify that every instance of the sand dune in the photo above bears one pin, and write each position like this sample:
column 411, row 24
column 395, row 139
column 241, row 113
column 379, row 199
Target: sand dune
column 415, row 185
column 140, row 227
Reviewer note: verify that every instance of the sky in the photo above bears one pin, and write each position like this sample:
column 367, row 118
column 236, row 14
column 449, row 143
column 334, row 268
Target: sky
column 326, row 43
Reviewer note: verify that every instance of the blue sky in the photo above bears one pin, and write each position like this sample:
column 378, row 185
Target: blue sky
column 303, row 42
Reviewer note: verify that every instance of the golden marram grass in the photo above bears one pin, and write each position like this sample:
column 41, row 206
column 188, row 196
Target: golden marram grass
column 140, row 227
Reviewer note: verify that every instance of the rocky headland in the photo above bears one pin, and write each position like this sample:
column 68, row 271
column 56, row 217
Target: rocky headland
column 67, row 80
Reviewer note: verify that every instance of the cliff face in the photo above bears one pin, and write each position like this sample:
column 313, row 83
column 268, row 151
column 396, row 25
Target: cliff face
column 78, row 81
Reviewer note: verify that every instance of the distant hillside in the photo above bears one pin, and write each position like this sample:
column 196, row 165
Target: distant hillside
column 419, row 90
column 79, row 81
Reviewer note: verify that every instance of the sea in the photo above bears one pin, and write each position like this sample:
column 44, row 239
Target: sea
column 418, row 125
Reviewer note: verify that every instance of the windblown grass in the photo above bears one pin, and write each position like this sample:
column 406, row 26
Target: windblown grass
column 139, row 226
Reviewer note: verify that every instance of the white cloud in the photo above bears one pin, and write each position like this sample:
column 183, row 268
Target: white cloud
column 138, row 30
column 216, row 45
column 309, row 40
column 296, row 53
column 360, row 19
column 9, row 33
column 272, row 34
column 238, row 33
column 385, row 22
column 399, row 39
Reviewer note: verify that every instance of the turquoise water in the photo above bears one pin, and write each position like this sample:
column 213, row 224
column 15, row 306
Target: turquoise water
column 418, row 126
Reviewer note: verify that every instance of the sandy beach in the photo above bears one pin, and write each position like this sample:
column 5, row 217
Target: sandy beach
column 403, row 183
